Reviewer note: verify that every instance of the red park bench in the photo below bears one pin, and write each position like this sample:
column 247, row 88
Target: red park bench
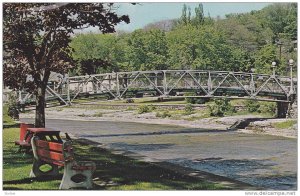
column 23, row 142
column 27, row 132
column 76, row 174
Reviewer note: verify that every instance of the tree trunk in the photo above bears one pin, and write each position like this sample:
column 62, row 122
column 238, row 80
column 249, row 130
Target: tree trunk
column 40, row 107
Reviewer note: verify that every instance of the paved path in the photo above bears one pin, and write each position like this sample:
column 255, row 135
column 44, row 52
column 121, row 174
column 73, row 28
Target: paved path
column 260, row 160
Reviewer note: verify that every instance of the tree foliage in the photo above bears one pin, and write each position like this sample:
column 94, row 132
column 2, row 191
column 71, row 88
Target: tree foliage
column 220, row 107
column 36, row 39
column 237, row 43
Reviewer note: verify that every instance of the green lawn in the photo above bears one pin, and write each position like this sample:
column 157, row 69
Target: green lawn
column 114, row 172
column 285, row 124
column 7, row 121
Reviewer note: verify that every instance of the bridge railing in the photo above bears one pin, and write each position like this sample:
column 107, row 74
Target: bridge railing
column 203, row 83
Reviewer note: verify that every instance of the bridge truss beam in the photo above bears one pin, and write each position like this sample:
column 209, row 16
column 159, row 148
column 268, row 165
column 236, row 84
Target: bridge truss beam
column 171, row 83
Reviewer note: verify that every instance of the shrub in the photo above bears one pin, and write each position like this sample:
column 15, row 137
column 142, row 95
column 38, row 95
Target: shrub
column 99, row 114
column 152, row 107
column 160, row 99
column 194, row 100
column 130, row 108
column 13, row 106
column 268, row 107
column 164, row 114
column 83, row 115
column 252, row 106
column 220, row 107
column 190, row 100
column 143, row 109
column 129, row 101
column 188, row 109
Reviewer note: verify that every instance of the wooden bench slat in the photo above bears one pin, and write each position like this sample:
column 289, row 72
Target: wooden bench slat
column 82, row 167
column 55, row 162
column 50, row 155
column 60, row 154
column 49, row 145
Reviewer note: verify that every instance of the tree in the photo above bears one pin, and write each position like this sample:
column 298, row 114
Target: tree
column 244, row 31
column 147, row 50
column 291, row 29
column 136, row 50
column 281, row 18
column 36, row 39
column 183, row 18
column 264, row 58
column 163, row 25
column 189, row 15
column 192, row 47
column 156, row 50
column 199, row 18
column 106, row 50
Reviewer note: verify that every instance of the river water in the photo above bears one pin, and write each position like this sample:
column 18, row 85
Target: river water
column 269, row 162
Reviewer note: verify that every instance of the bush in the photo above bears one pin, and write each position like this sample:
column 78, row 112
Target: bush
column 160, row 99
column 145, row 109
column 13, row 106
column 129, row 108
column 152, row 107
column 252, row 106
column 129, row 101
column 268, row 107
column 164, row 114
column 99, row 114
column 261, row 107
column 188, row 109
column 220, row 107
column 194, row 100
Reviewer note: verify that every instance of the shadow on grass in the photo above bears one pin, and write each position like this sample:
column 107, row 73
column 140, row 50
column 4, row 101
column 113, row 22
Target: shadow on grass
column 10, row 125
column 119, row 171
column 114, row 172
column 13, row 159
column 11, row 188
column 29, row 180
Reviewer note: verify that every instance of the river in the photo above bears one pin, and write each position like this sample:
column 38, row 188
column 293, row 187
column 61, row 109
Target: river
column 269, row 162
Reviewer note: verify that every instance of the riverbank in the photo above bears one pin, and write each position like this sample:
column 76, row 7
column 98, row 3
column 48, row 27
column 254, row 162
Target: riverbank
column 254, row 123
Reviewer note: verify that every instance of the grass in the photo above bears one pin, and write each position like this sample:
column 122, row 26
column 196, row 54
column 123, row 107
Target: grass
column 193, row 118
column 83, row 115
column 59, row 109
column 130, row 108
column 145, row 100
column 284, row 125
column 7, row 121
column 114, row 172
column 176, row 114
column 164, row 114
column 98, row 114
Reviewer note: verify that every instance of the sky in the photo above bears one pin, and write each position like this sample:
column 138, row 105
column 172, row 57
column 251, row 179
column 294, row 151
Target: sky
column 144, row 13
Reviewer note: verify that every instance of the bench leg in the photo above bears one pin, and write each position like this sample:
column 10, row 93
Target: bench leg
column 69, row 174
column 36, row 172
